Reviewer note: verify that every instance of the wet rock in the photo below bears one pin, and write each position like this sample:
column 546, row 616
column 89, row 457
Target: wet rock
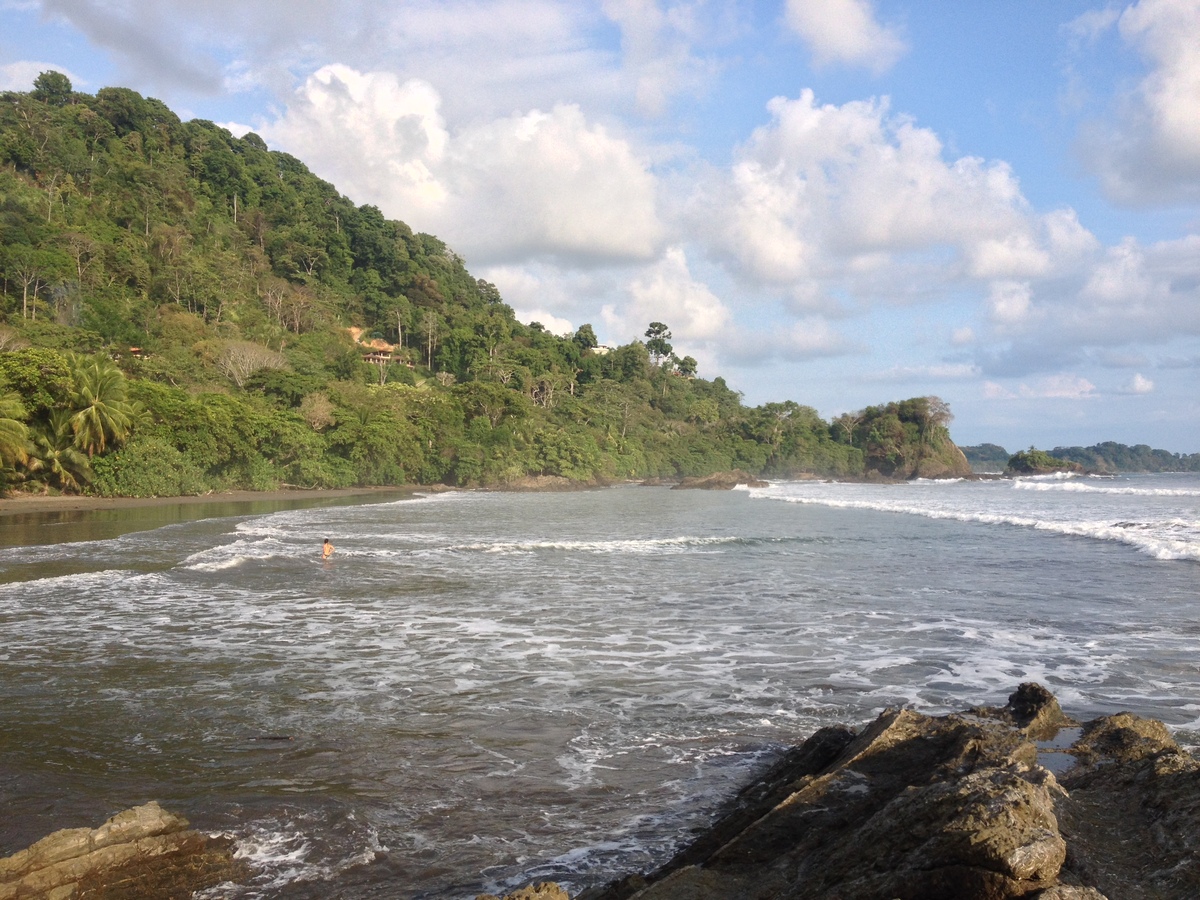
column 1068, row 892
column 953, row 808
column 1123, row 738
column 144, row 852
column 1134, row 810
column 720, row 481
column 546, row 890
column 913, row 807
column 1033, row 709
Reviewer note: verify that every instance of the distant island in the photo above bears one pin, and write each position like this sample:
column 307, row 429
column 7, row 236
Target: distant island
column 183, row 311
column 1106, row 458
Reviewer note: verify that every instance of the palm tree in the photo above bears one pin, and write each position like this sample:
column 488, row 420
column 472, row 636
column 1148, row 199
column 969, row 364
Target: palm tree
column 102, row 416
column 14, row 436
column 55, row 453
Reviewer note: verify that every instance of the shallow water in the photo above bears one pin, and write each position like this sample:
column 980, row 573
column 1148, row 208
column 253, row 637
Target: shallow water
column 484, row 689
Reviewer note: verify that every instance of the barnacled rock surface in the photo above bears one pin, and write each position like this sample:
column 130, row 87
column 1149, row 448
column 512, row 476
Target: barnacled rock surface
column 954, row 807
column 144, row 853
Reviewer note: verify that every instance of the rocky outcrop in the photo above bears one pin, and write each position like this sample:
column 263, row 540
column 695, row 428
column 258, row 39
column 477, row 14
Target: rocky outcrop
column 546, row 890
column 1133, row 815
column 719, row 481
column 947, row 462
column 1032, row 710
column 144, row 852
column 955, row 807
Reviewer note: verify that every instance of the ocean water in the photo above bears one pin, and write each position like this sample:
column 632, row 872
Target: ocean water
column 483, row 689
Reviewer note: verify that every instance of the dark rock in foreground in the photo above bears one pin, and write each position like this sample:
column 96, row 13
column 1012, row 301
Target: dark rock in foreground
column 954, row 807
column 144, row 852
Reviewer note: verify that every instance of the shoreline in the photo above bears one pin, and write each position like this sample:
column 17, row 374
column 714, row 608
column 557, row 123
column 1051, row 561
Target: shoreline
column 21, row 504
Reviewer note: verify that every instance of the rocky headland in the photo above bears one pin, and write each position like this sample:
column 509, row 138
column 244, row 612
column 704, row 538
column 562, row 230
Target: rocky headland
column 987, row 804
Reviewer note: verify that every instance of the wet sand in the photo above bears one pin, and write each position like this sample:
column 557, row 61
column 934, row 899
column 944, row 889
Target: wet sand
column 38, row 519
column 17, row 504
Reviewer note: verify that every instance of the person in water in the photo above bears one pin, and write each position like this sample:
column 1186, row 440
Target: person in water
column 326, row 549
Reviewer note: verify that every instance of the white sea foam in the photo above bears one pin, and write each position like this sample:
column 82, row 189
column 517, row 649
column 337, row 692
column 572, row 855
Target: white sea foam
column 235, row 554
column 651, row 545
column 1155, row 530
column 73, row 582
column 1080, row 487
column 281, row 854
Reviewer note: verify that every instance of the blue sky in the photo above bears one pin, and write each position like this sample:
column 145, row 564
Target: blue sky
column 840, row 203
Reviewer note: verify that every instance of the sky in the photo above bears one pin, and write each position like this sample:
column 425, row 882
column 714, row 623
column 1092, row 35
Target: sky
column 840, row 203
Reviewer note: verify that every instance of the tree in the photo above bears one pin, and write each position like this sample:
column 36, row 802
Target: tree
column 585, row 337
column 657, row 336
column 14, row 436
column 52, row 88
column 56, row 455
column 101, row 416
column 241, row 359
column 686, row 367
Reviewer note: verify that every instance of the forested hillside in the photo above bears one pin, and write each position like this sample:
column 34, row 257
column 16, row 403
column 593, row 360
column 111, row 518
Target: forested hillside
column 185, row 311
column 1113, row 457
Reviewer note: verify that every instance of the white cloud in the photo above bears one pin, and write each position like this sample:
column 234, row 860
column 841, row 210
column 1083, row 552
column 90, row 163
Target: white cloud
column 994, row 391
column 1150, row 152
column 551, row 322
column 657, row 50
column 1010, row 302
column 1139, row 384
column 1132, row 298
column 19, row 76
column 1053, row 387
column 849, row 191
column 943, row 372
column 1089, row 25
column 963, row 336
column 845, row 31
column 1064, row 387
column 527, row 185
column 1137, row 293
column 811, row 337
column 666, row 292
column 499, row 55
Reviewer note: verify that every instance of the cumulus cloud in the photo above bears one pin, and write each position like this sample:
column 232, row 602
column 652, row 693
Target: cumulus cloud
column 827, row 191
column 1133, row 297
column 845, row 31
column 1010, row 302
column 1150, row 152
column 1135, row 293
column 667, row 292
column 526, row 185
column 1138, row 384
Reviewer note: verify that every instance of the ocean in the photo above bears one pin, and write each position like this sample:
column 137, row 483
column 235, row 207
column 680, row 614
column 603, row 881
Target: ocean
column 484, row 689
